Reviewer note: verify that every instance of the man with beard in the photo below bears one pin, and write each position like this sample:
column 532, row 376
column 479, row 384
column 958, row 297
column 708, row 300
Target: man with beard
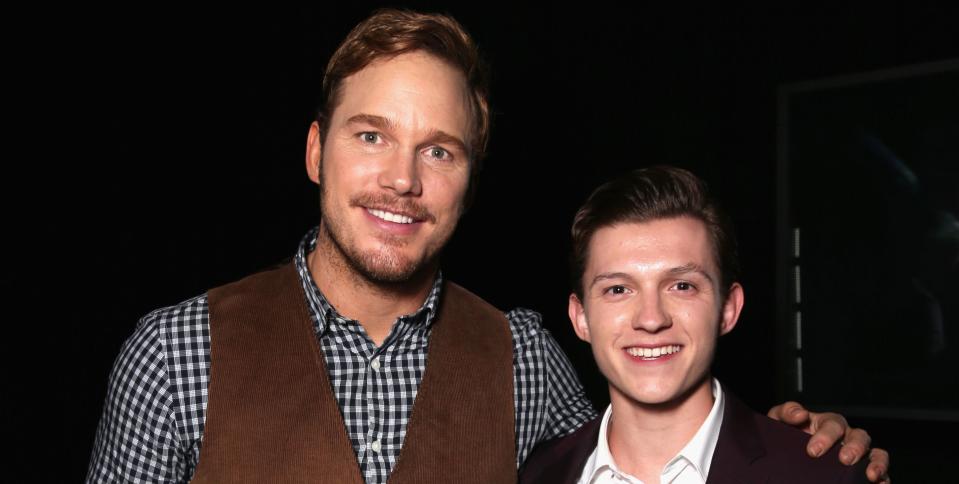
column 317, row 370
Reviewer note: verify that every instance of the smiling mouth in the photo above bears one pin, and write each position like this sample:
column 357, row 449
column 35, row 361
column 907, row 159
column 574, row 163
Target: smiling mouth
column 390, row 216
column 653, row 353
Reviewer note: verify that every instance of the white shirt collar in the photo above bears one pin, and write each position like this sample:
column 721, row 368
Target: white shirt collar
column 698, row 452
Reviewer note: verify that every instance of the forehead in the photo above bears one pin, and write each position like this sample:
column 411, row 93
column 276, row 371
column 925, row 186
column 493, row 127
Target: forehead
column 414, row 90
column 654, row 245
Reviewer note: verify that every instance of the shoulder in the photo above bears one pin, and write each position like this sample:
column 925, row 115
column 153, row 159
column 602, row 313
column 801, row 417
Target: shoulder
column 526, row 326
column 154, row 332
column 786, row 447
column 179, row 325
column 785, row 458
column 188, row 309
column 561, row 459
column 538, row 352
column 534, row 345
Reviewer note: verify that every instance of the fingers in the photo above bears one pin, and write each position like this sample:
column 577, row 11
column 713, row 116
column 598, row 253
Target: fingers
column 855, row 445
column 829, row 428
column 878, row 470
column 791, row 413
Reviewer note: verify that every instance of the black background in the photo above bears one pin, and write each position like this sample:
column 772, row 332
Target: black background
column 155, row 152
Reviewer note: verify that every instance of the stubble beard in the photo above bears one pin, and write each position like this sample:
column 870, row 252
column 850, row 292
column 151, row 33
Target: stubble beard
column 382, row 267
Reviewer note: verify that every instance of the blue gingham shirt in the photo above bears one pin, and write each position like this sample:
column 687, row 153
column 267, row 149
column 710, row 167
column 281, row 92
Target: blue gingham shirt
column 151, row 429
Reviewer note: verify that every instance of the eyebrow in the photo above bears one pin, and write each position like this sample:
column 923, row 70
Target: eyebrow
column 440, row 137
column 378, row 122
column 387, row 124
column 608, row 275
column 692, row 268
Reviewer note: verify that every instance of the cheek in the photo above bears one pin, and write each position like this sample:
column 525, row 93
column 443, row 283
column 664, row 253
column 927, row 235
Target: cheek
column 449, row 192
column 612, row 321
column 682, row 309
column 695, row 314
column 705, row 325
column 606, row 326
column 342, row 167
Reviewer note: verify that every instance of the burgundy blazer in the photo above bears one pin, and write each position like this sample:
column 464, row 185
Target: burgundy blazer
column 752, row 448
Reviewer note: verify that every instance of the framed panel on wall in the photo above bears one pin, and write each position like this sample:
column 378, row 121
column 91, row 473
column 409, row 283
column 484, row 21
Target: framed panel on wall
column 868, row 259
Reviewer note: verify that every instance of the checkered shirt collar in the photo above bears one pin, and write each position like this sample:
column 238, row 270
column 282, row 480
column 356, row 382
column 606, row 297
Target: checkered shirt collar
column 323, row 312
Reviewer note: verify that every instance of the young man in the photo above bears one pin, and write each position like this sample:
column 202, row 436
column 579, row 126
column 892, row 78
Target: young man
column 655, row 285
column 318, row 371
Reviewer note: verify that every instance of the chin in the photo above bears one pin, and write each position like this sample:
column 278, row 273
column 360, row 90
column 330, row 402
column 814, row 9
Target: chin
column 663, row 395
column 389, row 265
column 378, row 264
column 669, row 395
column 657, row 396
column 388, row 268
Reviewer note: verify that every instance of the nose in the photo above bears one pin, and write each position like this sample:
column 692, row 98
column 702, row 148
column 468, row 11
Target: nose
column 400, row 174
column 650, row 315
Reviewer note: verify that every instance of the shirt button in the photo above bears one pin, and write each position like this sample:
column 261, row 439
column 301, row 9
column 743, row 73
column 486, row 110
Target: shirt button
column 375, row 364
column 375, row 446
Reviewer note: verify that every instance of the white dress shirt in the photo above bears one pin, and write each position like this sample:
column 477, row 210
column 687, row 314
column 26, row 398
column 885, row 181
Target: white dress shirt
column 689, row 466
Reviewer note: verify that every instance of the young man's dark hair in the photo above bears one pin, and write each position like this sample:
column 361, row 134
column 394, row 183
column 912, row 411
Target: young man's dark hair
column 648, row 194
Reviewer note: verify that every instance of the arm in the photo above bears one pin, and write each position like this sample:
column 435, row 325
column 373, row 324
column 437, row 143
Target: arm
column 567, row 407
column 136, row 438
column 550, row 401
column 826, row 429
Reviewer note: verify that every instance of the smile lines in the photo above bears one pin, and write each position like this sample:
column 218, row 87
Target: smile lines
column 653, row 352
column 390, row 216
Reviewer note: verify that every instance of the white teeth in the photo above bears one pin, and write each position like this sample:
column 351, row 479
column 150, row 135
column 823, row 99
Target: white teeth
column 390, row 216
column 653, row 352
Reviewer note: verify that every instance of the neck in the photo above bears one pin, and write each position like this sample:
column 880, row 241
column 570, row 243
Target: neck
column 643, row 438
column 375, row 305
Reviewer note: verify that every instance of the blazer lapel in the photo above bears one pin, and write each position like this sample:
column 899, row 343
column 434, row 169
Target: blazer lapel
column 579, row 451
column 561, row 460
column 738, row 446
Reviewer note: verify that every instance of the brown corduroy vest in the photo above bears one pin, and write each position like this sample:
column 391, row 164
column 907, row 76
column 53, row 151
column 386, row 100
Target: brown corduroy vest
column 272, row 416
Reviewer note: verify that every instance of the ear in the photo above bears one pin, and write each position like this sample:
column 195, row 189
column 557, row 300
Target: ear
column 314, row 153
column 731, row 308
column 577, row 316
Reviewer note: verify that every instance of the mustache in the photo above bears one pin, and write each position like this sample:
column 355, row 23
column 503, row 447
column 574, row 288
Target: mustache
column 394, row 204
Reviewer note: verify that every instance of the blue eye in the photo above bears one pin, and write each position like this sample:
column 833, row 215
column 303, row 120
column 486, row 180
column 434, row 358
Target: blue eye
column 440, row 153
column 370, row 137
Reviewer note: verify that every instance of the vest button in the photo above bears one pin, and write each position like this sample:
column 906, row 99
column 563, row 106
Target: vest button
column 375, row 364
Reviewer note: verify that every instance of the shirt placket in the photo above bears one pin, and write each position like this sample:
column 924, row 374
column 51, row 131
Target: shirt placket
column 374, row 404
column 378, row 394
column 357, row 412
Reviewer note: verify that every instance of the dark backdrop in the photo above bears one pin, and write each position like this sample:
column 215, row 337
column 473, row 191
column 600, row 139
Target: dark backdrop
column 162, row 154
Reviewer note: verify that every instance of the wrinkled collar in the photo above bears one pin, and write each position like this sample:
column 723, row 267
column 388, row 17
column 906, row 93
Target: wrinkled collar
column 324, row 313
column 698, row 452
